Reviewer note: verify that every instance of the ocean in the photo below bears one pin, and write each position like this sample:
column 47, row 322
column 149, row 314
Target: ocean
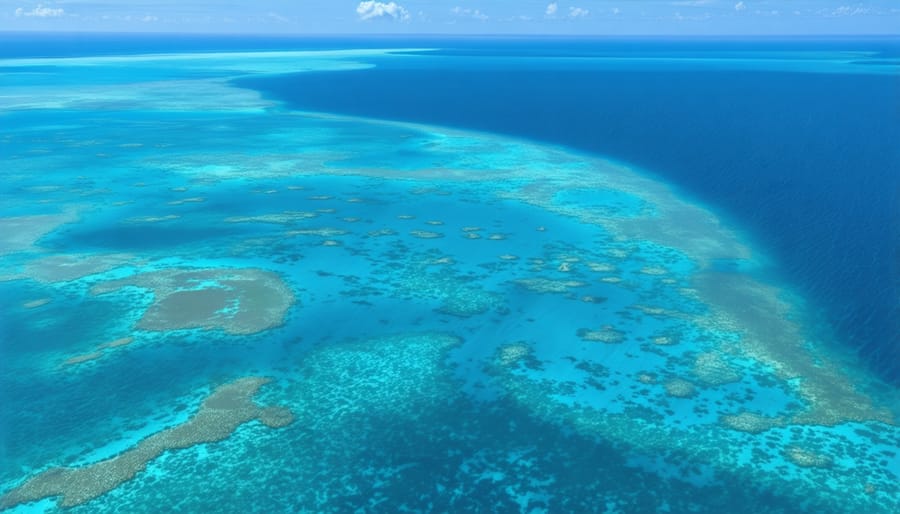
column 449, row 274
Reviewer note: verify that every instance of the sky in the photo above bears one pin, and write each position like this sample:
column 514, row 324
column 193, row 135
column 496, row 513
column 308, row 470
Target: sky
column 588, row 17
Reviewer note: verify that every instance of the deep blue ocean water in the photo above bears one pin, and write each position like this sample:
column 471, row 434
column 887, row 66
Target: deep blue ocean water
column 807, row 162
column 487, row 274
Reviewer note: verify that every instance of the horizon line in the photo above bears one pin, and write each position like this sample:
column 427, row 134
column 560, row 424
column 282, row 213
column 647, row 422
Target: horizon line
column 450, row 34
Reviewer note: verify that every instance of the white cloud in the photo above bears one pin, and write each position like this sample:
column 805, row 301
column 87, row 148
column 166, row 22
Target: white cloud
column 41, row 12
column 578, row 12
column 692, row 17
column 552, row 7
column 847, row 10
column 739, row 6
column 372, row 9
column 470, row 13
column 277, row 17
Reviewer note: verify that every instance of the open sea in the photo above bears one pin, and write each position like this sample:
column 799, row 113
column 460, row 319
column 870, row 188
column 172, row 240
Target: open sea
column 496, row 274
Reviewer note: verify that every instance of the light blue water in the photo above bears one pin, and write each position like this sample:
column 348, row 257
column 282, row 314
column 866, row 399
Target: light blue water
column 460, row 321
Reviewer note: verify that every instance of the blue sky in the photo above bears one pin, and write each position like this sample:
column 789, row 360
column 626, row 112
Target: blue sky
column 457, row 16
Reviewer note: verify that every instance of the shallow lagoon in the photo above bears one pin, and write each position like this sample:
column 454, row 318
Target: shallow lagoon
column 455, row 320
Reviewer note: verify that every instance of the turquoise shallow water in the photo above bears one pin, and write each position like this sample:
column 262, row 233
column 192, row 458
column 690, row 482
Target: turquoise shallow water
column 455, row 320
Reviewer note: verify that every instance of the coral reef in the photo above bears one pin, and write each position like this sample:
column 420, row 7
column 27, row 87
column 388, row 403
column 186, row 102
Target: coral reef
column 510, row 354
column 750, row 422
column 714, row 370
column 426, row 234
column 67, row 267
column 228, row 407
column 680, row 388
column 21, row 233
column 605, row 334
column 806, row 458
column 321, row 232
column 99, row 351
column 284, row 218
column 238, row 301
column 548, row 285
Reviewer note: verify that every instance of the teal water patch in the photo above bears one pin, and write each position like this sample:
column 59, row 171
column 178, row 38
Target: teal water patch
column 457, row 321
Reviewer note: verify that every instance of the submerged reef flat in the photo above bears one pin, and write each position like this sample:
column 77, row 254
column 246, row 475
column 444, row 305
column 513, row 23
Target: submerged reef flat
column 98, row 352
column 221, row 413
column 714, row 370
column 548, row 285
column 66, row 267
column 772, row 337
column 22, row 233
column 153, row 219
column 284, row 218
column 606, row 334
column 34, row 304
column 237, row 301
column 426, row 234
